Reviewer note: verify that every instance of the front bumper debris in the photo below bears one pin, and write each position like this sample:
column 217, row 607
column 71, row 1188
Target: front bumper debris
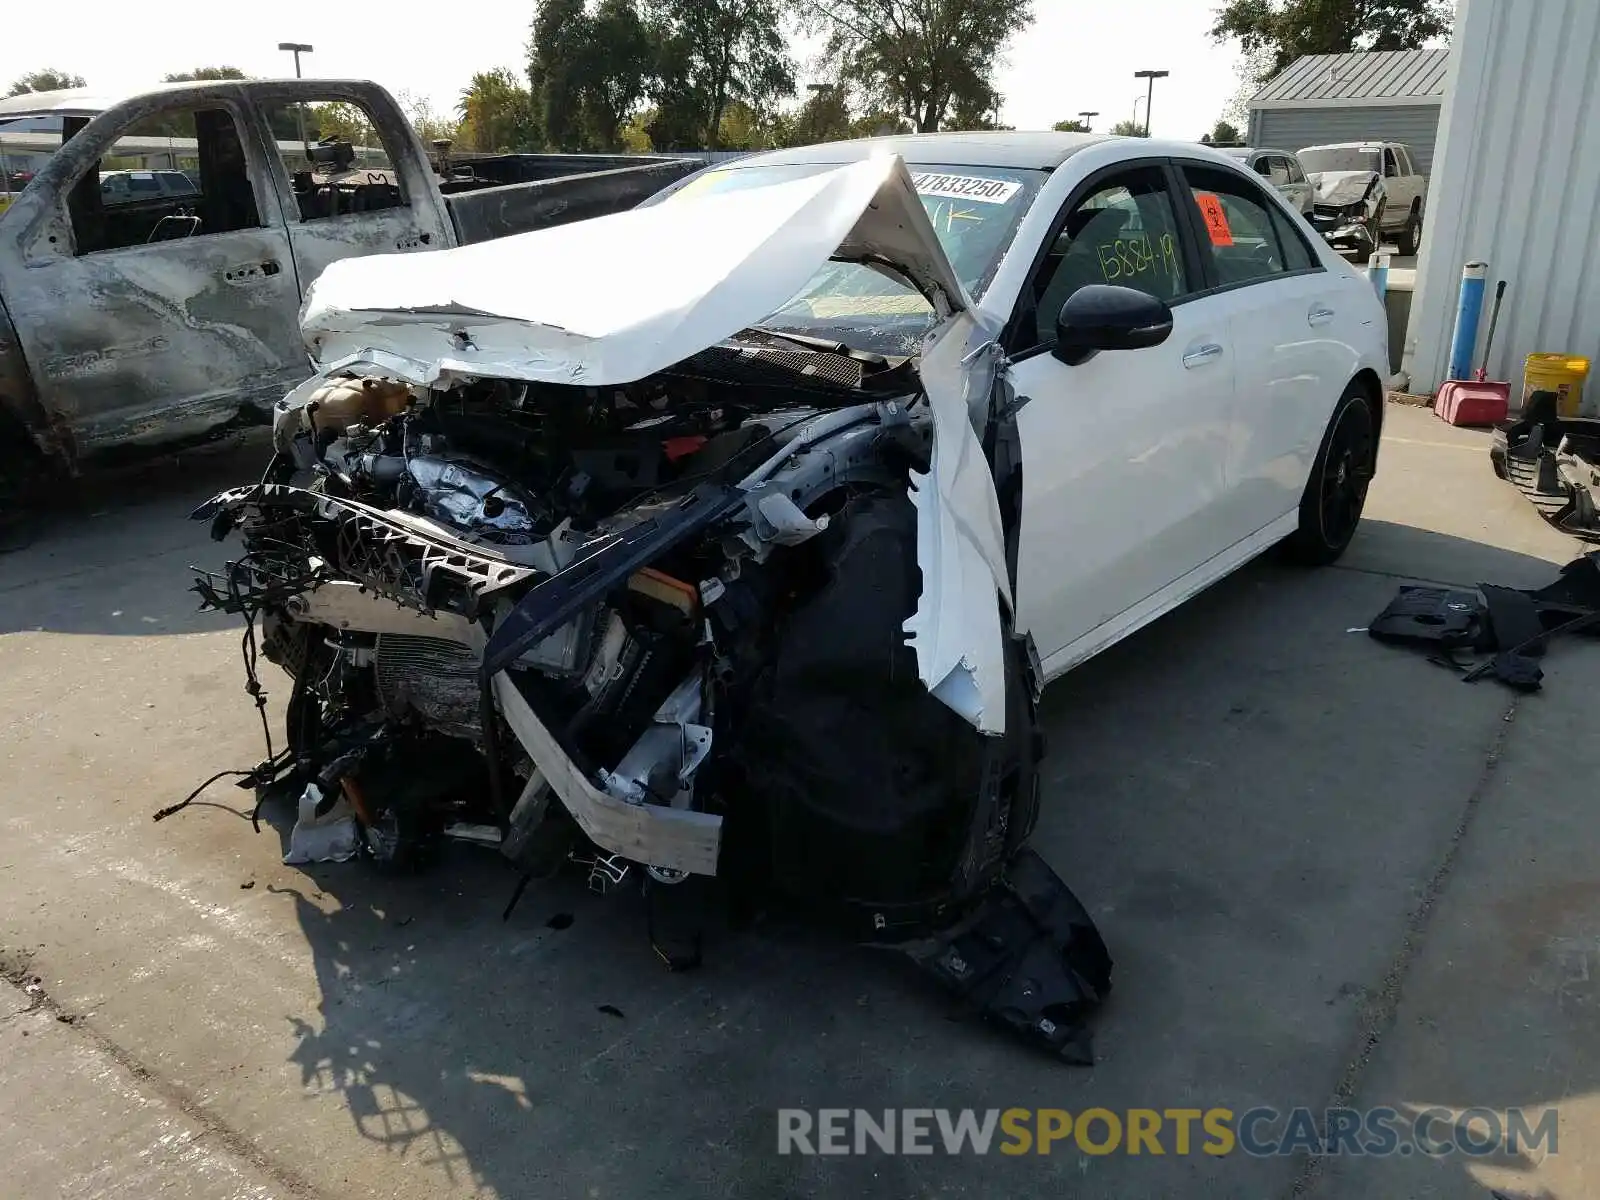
column 1028, row 958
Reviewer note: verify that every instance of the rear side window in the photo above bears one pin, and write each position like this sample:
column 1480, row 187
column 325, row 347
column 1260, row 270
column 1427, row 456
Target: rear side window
column 337, row 161
column 1241, row 236
column 1278, row 170
column 1296, row 175
column 1297, row 255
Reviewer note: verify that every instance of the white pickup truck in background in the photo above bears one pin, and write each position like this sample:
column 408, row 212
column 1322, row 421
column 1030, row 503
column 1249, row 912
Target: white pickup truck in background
column 1366, row 192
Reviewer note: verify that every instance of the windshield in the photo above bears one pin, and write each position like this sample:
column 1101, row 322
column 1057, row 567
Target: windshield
column 974, row 210
column 1340, row 158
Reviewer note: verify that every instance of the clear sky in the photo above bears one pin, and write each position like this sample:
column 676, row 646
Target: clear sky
column 1079, row 54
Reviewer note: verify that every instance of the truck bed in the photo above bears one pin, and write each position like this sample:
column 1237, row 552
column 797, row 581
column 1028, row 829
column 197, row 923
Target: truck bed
column 555, row 189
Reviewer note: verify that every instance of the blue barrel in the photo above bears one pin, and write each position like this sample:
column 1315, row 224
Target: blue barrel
column 1469, row 308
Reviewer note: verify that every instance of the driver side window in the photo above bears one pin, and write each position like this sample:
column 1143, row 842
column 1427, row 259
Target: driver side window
column 177, row 174
column 1124, row 232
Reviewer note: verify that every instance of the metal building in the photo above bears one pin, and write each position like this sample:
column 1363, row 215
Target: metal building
column 1383, row 95
column 1516, row 184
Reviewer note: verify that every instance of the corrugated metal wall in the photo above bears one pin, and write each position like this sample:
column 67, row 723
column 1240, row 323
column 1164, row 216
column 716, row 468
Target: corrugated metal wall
column 1415, row 125
column 1516, row 183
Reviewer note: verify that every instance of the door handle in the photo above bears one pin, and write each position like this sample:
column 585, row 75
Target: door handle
column 250, row 272
column 1319, row 315
column 1202, row 354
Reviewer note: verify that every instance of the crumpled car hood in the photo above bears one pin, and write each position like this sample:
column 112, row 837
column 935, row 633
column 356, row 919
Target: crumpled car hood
column 614, row 299
column 1341, row 187
column 618, row 298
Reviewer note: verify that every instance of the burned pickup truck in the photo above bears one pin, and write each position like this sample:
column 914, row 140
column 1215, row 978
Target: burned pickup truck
column 153, row 268
column 562, row 542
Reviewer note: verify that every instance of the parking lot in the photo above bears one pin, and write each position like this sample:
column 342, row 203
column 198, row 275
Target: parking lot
column 1329, row 872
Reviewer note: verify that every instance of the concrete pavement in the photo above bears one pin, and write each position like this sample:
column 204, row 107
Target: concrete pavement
column 1292, row 838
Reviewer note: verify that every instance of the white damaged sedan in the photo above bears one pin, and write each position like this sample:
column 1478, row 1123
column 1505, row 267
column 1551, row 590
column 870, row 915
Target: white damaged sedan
column 733, row 536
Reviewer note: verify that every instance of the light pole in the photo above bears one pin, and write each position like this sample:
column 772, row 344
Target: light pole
column 1088, row 119
column 1150, row 91
column 297, row 49
column 1137, row 100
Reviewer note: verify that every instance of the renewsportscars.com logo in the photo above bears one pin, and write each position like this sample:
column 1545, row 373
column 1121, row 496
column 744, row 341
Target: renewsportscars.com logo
column 1258, row 1132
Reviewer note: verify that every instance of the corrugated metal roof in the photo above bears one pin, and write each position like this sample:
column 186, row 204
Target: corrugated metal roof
column 1372, row 75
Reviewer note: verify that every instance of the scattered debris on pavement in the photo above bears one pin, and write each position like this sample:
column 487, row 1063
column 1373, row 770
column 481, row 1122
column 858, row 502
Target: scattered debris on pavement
column 1513, row 627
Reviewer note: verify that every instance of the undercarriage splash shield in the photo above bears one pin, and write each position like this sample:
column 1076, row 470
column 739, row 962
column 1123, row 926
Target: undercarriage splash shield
column 1028, row 957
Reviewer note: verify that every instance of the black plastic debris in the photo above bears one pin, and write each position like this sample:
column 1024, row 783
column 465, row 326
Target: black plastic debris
column 1512, row 626
column 1028, row 958
column 1554, row 461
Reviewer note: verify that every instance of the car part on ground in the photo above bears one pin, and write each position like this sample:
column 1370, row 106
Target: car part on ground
column 1555, row 462
column 639, row 600
column 1512, row 627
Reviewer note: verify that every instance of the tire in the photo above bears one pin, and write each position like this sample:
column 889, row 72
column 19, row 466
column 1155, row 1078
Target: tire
column 1336, row 492
column 881, row 808
column 23, row 478
column 1411, row 236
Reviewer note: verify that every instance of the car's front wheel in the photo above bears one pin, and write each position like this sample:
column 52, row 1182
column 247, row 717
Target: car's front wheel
column 1336, row 492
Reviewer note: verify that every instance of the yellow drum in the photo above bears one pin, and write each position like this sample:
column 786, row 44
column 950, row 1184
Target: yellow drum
column 1562, row 374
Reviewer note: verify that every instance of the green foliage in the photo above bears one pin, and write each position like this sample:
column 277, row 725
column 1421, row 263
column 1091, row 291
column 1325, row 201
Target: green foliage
column 1127, row 129
column 1071, row 126
column 710, row 53
column 497, row 114
column 927, row 60
column 824, row 117
column 430, row 126
column 339, row 120
column 617, row 62
column 204, row 74
column 1273, row 33
column 556, row 57
column 1223, row 132
column 47, row 80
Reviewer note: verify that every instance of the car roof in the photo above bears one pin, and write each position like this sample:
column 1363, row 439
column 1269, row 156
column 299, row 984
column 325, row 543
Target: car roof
column 1036, row 150
column 1350, row 146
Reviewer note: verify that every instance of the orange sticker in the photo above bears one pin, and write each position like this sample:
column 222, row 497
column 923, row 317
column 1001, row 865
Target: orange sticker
column 1216, row 218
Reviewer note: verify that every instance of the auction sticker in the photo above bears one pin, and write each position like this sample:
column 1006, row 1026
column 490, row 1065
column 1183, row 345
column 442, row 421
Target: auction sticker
column 965, row 187
column 1216, row 218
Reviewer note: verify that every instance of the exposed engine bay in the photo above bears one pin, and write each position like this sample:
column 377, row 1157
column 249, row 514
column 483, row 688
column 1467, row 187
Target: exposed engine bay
column 739, row 622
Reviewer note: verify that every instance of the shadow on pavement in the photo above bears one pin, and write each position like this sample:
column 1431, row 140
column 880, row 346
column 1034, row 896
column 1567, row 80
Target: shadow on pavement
column 113, row 556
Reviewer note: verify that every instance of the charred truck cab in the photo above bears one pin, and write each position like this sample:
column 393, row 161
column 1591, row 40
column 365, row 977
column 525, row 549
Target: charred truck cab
column 676, row 596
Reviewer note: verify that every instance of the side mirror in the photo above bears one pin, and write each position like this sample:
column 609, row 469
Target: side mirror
column 1102, row 317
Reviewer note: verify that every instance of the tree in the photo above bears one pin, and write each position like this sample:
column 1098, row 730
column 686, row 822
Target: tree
column 710, row 53
column 339, row 120
column 824, row 117
column 1222, row 132
column 1127, row 129
column 497, row 113
column 919, row 58
column 977, row 107
column 1071, row 127
column 556, row 53
column 1283, row 30
column 200, row 74
column 47, row 80
column 615, row 67
column 430, row 126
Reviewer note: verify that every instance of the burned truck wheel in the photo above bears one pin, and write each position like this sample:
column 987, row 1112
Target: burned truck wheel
column 882, row 808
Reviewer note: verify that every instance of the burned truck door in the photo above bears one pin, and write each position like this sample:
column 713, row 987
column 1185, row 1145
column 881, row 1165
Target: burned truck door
column 352, row 175
column 149, row 280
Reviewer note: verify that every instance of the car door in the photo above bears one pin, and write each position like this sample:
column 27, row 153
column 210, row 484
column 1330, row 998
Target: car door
column 1283, row 315
column 144, row 316
column 1123, row 454
column 350, row 184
